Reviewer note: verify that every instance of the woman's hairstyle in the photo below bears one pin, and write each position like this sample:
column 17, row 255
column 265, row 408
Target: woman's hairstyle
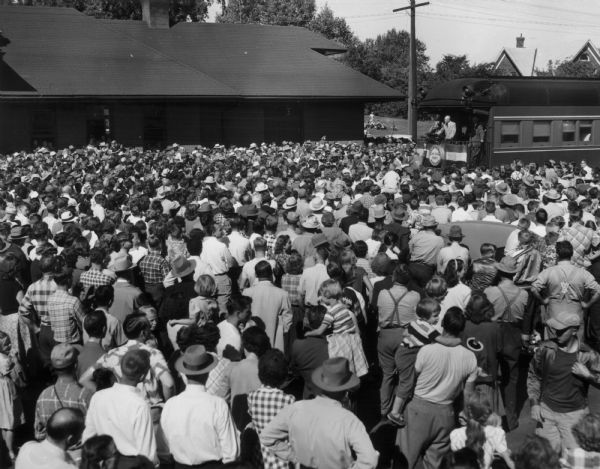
column 536, row 452
column 99, row 452
column 453, row 271
column 205, row 286
column 280, row 244
column 294, row 264
column 477, row 411
column 380, row 265
column 464, row 458
column 587, row 432
column 348, row 257
column 436, row 288
column 479, row 308
column 330, row 289
column 401, row 274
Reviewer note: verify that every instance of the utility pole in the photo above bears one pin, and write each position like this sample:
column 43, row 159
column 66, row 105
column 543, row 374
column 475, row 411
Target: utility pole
column 412, row 75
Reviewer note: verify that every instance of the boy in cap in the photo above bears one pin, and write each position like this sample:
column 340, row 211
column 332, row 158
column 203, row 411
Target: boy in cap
column 557, row 382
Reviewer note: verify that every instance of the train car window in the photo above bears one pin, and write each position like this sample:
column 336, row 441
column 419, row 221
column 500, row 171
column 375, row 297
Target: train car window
column 509, row 132
column 568, row 131
column 585, row 131
column 541, row 132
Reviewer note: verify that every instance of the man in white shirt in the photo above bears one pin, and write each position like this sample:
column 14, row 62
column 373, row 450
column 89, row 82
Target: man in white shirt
column 442, row 371
column 449, row 128
column 238, row 312
column 122, row 412
column 219, row 258
column 312, row 278
column 63, row 430
column 360, row 231
column 197, row 425
column 239, row 245
column 248, row 276
column 390, row 180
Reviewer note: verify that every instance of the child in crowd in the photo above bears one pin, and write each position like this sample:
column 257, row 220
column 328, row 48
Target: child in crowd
column 483, row 433
column 420, row 332
column 11, row 411
column 202, row 309
column 587, row 436
column 344, row 339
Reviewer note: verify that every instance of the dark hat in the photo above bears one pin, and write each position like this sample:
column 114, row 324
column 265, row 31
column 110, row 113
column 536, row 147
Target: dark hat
column 455, row 232
column 182, row 266
column 399, row 214
column 334, row 375
column 63, row 356
column 195, row 361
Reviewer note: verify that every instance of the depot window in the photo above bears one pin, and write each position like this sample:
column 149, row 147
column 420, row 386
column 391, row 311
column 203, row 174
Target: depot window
column 568, row 131
column 509, row 132
column 541, row 132
column 585, row 132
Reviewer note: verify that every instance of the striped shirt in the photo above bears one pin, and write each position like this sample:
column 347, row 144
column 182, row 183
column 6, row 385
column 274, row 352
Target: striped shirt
column 419, row 333
column 339, row 318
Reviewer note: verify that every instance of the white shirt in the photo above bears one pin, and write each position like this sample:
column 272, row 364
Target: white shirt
column 43, row 455
column 230, row 335
column 248, row 276
column 239, row 246
column 198, row 427
column 99, row 212
column 310, row 281
column 137, row 254
column 122, row 412
column 216, row 255
column 512, row 243
column 460, row 214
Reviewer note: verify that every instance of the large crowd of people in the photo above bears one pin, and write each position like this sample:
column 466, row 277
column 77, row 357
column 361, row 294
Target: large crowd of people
column 283, row 305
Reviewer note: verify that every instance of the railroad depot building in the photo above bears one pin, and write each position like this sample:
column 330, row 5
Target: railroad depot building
column 67, row 78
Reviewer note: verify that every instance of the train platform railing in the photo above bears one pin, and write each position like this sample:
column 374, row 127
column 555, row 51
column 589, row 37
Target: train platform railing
column 454, row 152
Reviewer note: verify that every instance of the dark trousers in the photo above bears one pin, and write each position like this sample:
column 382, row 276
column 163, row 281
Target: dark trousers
column 421, row 273
column 156, row 291
column 510, row 334
column 427, row 433
column 388, row 342
column 47, row 343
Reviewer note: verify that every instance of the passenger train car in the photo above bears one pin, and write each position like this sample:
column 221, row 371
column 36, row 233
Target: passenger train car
column 527, row 119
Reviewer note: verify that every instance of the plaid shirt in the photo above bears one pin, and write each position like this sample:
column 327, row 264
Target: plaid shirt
column 217, row 383
column 95, row 278
column 578, row 458
column 62, row 394
column 263, row 405
column 150, row 386
column 290, row 284
column 65, row 314
column 582, row 238
column 154, row 267
column 34, row 305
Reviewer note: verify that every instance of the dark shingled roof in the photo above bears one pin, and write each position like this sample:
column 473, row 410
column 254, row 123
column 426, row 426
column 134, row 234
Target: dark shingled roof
column 62, row 52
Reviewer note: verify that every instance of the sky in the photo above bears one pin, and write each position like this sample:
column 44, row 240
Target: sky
column 481, row 28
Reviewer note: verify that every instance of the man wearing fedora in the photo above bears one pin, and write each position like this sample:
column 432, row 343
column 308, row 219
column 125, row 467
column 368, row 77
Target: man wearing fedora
column 198, row 427
column 454, row 251
column 321, row 433
column 125, row 293
column 396, row 226
column 424, row 248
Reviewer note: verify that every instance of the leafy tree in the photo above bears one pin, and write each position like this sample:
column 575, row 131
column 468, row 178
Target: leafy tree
column 332, row 27
column 275, row 12
column 570, row 69
column 458, row 66
column 197, row 10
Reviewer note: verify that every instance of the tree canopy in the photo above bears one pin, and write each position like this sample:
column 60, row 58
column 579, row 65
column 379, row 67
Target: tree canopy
column 275, row 12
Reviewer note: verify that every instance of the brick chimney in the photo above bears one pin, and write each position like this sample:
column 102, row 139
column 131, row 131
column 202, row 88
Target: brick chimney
column 155, row 13
column 520, row 42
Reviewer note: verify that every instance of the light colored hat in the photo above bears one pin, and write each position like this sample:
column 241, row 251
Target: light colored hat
column 317, row 204
column 428, row 221
column 182, row 266
column 195, row 361
column 63, row 356
column 68, row 217
column 289, row 203
column 552, row 194
column 209, row 180
column 310, row 223
column 511, row 199
column 502, row 188
column 122, row 263
column 261, row 187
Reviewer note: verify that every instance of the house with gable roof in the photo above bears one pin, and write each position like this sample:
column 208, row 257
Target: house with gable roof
column 516, row 61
